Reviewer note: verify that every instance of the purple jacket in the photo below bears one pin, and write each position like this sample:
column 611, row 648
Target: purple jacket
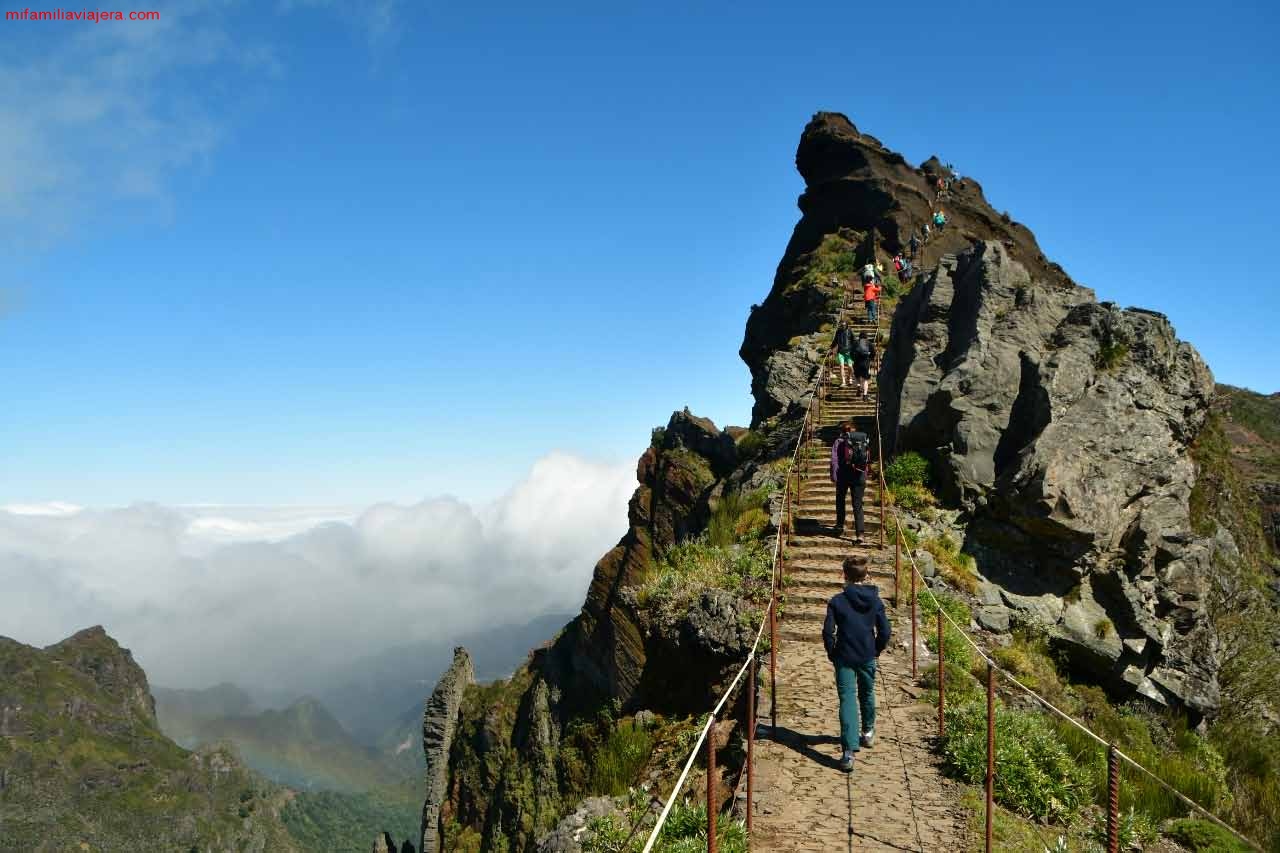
column 835, row 459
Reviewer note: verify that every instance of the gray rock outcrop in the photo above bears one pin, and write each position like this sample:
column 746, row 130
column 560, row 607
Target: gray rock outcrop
column 438, row 724
column 1062, row 426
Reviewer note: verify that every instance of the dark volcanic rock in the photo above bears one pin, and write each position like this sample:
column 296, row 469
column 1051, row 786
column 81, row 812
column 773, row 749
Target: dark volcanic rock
column 1062, row 426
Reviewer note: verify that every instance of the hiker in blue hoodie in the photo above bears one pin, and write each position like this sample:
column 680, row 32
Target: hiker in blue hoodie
column 855, row 632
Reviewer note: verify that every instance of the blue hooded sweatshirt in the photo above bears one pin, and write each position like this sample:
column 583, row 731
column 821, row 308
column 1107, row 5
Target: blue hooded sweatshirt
column 856, row 629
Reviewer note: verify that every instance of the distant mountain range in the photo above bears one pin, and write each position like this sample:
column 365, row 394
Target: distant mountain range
column 84, row 765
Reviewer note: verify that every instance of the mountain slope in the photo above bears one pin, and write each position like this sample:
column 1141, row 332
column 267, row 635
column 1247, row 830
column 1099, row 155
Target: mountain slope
column 83, row 764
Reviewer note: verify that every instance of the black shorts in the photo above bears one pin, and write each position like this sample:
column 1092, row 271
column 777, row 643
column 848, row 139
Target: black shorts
column 862, row 369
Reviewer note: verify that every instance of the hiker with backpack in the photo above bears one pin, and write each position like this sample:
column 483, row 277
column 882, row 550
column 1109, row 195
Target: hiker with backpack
column 863, row 355
column 869, row 272
column 871, row 298
column 844, row 352
column 850, row 465
column 855, row 632
column 939, row 219
column 913, row 246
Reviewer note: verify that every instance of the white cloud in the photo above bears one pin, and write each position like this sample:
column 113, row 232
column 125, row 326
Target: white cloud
column 279, row 596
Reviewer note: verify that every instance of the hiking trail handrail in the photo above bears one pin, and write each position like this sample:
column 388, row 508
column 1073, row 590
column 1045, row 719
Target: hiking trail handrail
column 769, row 616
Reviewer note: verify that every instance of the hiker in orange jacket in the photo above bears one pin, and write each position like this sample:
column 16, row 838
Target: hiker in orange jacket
column 871, row 297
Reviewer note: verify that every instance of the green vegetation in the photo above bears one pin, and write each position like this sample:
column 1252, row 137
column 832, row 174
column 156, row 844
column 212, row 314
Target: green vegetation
column 1111, row 355
column 738, row 517
column 1202, row 836
column 1135, row 830
column 1247, row 623
column 347, row 823
column 684, row 832
column 619, row 760
column 1038, row 776
column 691, row 567
column 836, row 255
column 907, row 477
column 956, row 567
column 658, row 436
column 749, row 444
column 1053, row 771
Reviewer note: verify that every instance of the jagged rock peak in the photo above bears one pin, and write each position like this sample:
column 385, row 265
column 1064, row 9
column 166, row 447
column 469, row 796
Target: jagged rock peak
column 439, row 721
column 96, row 654
column 868, row 197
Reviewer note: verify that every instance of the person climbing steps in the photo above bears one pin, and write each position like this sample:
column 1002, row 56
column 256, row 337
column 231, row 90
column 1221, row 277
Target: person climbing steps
column 855, row 632
column 862, row 354
column 850, row 465
column 871, row 298
column 844, row 353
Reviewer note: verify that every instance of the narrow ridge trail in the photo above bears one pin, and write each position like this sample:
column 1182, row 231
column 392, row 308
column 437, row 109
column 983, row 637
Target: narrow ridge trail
column 896, row 798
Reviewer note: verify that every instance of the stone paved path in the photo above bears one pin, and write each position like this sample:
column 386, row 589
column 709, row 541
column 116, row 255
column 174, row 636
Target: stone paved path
column 896, row 798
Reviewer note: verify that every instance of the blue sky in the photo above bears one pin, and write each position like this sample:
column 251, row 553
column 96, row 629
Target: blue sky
column 322, row 253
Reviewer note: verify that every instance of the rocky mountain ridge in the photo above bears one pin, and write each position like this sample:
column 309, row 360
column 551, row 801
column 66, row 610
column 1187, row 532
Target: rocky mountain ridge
column 83, row 764
column 1003, row 372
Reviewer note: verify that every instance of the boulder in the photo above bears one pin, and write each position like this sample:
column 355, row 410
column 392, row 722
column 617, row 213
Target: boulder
column 1014, row 386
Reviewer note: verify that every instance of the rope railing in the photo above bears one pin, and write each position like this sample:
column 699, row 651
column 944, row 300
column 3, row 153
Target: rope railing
column 706, row 737
column 1114, row 754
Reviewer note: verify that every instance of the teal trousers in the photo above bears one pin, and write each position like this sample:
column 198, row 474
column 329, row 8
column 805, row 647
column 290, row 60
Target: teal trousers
column 856, row 686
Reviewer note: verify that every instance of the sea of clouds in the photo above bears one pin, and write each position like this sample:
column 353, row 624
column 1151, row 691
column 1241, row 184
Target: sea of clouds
column 281, row 597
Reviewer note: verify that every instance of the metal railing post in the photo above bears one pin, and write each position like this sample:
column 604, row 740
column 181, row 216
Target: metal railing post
column 711, row 786
column 880, row 465
column 942, row 678
column 991, row 749
column 773, row 666
column 897, row 561
column 915, row 640
column 1113, row 800
column 751, row 740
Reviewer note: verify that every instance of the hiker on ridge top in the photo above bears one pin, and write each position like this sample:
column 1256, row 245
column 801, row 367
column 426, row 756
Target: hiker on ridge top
column 850, row 465
column 855, row 632
column 863, row 353
column 871, row 297
column 844, row 352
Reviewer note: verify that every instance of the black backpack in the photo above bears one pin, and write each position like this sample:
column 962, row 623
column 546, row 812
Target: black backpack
column 857, row 450
column 862, row 351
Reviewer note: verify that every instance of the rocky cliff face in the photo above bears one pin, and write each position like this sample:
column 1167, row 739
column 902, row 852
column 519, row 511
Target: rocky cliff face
column 83, row 764
column 509, row 778
column 1062, row 426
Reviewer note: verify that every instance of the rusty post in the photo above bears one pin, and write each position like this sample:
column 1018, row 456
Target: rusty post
column 773, row 665
column 751, row 738
column 1113, row 800
column 915, row 640
column 880, row 473
column 942, row 678
column 711, row 786
column 897, row 562
column 991, row 748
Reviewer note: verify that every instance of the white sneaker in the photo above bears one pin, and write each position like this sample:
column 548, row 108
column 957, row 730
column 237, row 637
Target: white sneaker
column 868, row 737
column 846, row 761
